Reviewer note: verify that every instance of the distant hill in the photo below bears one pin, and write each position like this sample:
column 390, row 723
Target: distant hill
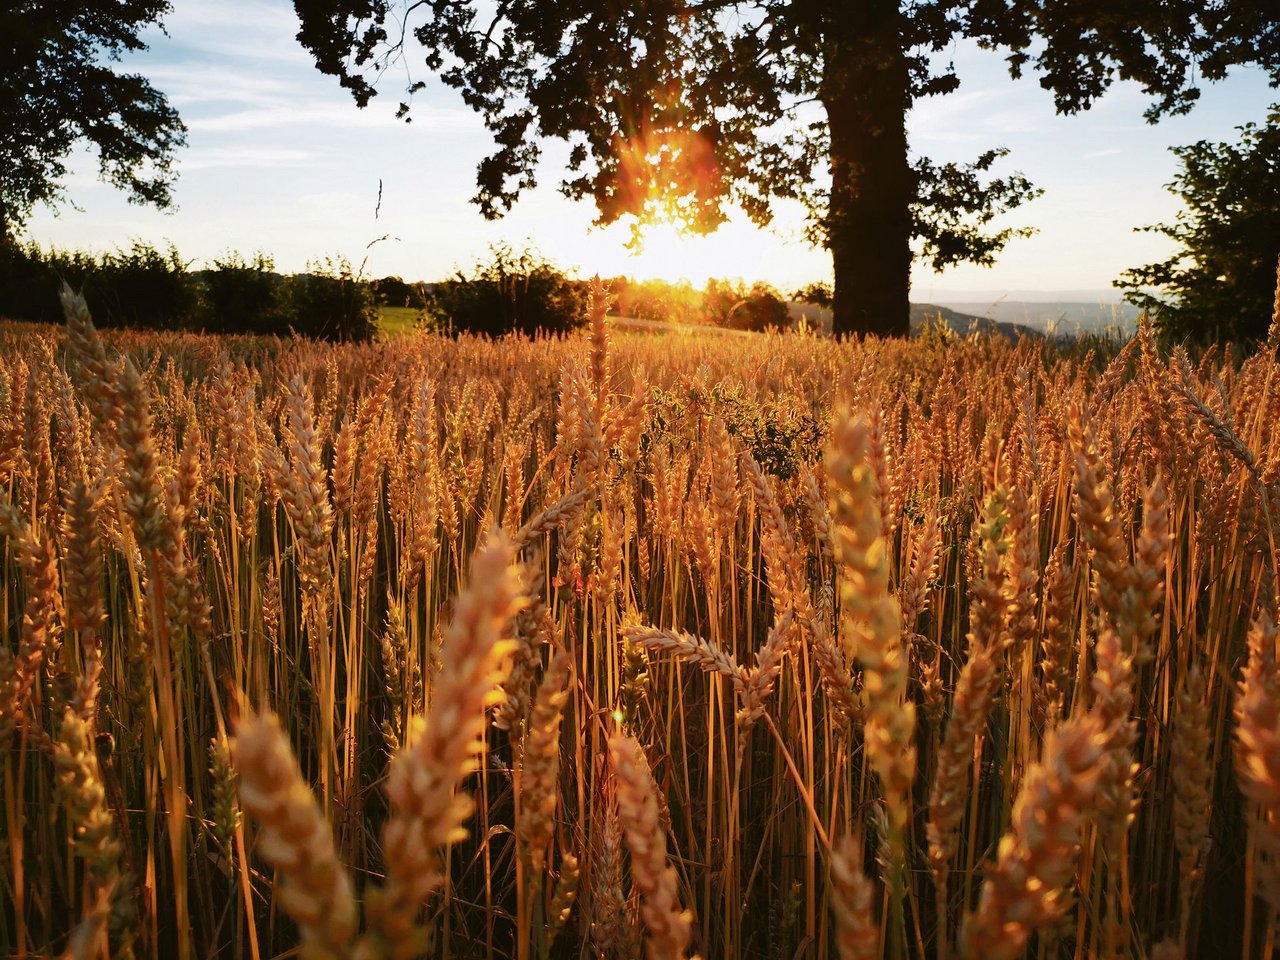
column 922, row 314
column 1055, row 317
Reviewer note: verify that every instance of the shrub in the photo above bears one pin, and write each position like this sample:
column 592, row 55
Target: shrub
column 330, row 302
column 657, row 300
column 758, row 308
column 138, row 287
column 243, row 296
column 512, row 292
column 397, row 292
column 143, row 287
column 29, row 282
column 817, row 293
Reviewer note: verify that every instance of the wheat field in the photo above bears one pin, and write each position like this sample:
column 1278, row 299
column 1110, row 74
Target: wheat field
column 619, row 646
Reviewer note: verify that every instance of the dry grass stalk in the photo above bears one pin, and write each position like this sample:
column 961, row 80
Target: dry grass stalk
column 949, row 794
column 1192, row 778
column 532, row 627
column 857, row 932
column 1257, row 712
column 691, row 649
column 39, row 631
column 871, row 627
column 1222, row 430
column 93, row 828
column 611, row 930
column 762, row 677
column 564, row 511
column 564, row 897
column 304, row 490
column 924, row 567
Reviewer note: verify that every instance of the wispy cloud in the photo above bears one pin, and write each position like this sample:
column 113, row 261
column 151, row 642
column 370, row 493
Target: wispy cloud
column 239, row 30
column 980, row 114
column 274, row 115
column 191, row 85
column 212, row 158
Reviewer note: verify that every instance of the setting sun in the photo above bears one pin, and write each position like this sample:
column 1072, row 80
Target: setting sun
column 665, row 252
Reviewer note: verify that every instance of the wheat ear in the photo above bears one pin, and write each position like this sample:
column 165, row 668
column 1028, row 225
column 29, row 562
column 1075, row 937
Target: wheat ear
column 294, row 837
column 670, row 927
column 427, row 808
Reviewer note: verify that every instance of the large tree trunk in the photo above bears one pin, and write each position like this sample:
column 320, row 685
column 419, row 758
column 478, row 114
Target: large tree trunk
column 866, row 95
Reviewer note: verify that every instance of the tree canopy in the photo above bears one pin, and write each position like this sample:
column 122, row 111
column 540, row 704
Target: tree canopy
column 679, row 108
column 1221, row 282
column 62, row 85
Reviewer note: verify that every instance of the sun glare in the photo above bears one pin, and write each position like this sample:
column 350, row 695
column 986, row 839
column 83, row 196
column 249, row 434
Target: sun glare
column 664, row 252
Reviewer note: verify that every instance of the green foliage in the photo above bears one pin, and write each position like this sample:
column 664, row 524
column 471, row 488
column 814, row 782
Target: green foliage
column 62, row 86
column 138, row 287
column 780, row 436
column 30, row 277
column 1221, row 283
column 954, row 207
column 329, row 302
column 397, row 292
column 151, row 288
column 733, row 305
column 817, row 293
column 511, row 292
column 243, row 296
column 143, row 287
column 657, row 300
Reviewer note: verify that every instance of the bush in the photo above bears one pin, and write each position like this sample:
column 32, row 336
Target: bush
column 29, row 282
column 657, row 300
column 396, row 292
column 243, row 296
column 143, row 287
column 329, row 302
column 138, row 287
column 817, row 293
column 758, row 308
column 512, row 292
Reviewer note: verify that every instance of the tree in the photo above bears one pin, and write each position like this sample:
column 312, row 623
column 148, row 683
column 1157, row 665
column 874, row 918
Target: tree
column 60, row 86
column 1221, row 283
column 329, row 301
column 243, row 295
column 512, row 292
column 732, row 304
column 679, row 107
column 817, row 293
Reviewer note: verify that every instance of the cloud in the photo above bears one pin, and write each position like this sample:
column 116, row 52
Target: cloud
column 247, row 156
column 191, row 85
column 235, row 30
column 980, row 114
column 319, row 114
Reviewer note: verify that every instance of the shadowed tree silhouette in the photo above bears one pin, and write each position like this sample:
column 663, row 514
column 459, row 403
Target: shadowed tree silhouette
column 676, row 108
column 1221, row 283
column 61, row 86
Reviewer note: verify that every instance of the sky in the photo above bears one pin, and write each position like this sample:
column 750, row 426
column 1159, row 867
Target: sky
column 279, row 159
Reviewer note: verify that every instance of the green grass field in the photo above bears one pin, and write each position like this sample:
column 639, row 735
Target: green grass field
column 397, row 320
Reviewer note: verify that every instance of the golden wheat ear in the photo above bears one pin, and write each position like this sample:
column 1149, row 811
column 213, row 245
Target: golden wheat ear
column 670, row 928
column 294, row 836
column 428, row 808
